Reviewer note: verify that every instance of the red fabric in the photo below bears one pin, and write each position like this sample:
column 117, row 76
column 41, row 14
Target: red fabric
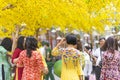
column 20, row 70
column 32, row 65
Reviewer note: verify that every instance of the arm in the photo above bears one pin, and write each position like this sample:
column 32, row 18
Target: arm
column 93, row 58
column 55, row 51
column 81, row 63
column 42, row 64
column 20, row 60
column 15, row 61
column 82, row 59
column 9, row 54
column 15, row 56
column 20, row 65
column 43, row 59
column 80, row 72
column 48, row 57
column 15, row 36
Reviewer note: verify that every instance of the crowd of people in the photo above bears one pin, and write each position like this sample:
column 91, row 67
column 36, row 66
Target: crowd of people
column 31, row 62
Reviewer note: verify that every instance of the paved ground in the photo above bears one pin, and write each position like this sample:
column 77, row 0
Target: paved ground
column 56, row 78
column 92, row 77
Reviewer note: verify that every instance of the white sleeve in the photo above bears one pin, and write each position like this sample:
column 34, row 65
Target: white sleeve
column 97, row 52
column 98, row 61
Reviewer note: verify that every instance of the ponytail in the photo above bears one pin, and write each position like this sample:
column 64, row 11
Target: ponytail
column 29, row 52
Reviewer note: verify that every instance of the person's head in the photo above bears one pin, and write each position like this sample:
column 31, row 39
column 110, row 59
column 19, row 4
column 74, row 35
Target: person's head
column 7, row 43
column 87, row 48
column 31, row 44
column 110, row 44
column 102, row 41
column 43, row 43
column 20, row 42
column 71, row 39
column 47, row 44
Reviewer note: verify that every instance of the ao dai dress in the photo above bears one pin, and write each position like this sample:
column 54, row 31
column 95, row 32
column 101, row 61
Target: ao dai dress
column 110, row 66
column 32, row 66
column 4, row 61
column 71, row 68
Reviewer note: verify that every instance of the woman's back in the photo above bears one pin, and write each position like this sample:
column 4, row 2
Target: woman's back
column 32, row 65
column 111, row 66
column 71, row 64
column 3, row 55
column 70, row 57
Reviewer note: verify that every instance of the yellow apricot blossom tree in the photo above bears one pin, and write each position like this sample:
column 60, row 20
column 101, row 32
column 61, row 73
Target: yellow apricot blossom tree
column 73, row 14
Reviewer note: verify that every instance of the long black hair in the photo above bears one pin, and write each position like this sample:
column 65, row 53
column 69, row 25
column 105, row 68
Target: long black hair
column 31, row 44
column 110, row 45
column 7, row 43
column 20, row 42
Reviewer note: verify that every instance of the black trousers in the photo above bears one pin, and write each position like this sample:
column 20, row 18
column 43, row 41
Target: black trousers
column 87, row 78
column 97, row 72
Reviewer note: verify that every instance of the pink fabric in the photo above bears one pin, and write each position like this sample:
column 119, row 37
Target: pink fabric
column 92, row 77
column 110, row 66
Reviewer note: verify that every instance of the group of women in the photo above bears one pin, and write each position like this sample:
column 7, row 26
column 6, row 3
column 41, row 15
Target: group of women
column 30, row 64
column 108, row 60
column 28, row 61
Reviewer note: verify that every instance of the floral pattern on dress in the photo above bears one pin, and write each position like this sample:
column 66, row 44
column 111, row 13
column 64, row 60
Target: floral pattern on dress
column 110, row 66
column 32, row 65
column 71, row 68
column 71, row 55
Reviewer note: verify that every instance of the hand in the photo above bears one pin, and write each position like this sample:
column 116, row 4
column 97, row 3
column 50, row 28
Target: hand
column 61, row 42
column 48, row 59
column 20, row 65
column 81, row 77
column 15, row 61
column 45, row 71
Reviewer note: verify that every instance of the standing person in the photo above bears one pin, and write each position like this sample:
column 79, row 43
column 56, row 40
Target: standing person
column 31, row 60
column 110, row 61
column 19, row 48
column 71, row 68
column 5, row 67
column 50, row 62
column 97, row 60
column 88, row 62
column 42, row 49
column 43, row 53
